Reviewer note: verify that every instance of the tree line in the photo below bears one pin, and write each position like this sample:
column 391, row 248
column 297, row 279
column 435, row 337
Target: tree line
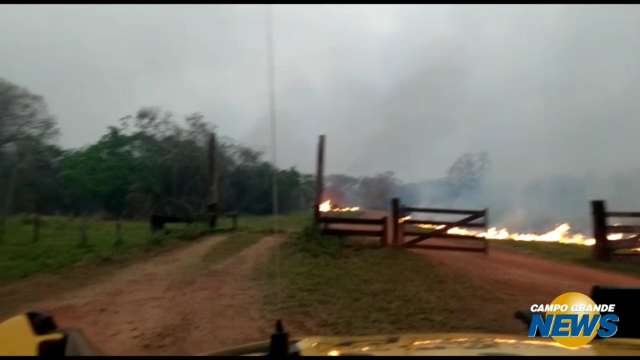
column 149, row 161
column 152, row 161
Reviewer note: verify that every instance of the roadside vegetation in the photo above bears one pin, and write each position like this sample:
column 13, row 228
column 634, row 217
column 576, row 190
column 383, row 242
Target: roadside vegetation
column 57, row 263
column 334, row 288
column 59, row 243
column 251, row 230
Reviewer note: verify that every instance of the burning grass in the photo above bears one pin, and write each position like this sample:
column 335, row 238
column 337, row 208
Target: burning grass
column 328, row 207
column 561, row 234
column 339, row 289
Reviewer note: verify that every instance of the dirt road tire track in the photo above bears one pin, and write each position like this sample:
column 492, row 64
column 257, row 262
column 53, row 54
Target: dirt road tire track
column 171, row 304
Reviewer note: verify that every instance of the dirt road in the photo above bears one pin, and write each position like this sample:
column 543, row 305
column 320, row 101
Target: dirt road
column 171, row 304
column 523, row 275
column 522, row 280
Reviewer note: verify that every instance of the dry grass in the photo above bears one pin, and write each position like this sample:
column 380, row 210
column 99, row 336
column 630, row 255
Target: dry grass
column 339, row 289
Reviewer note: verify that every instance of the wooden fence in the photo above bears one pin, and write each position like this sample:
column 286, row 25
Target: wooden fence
column 402, row 228
column 157, row 222
column 605, row 248
column 356, row 227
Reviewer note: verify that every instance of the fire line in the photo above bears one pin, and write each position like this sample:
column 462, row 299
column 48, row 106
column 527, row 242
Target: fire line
column 328, row 207
column 561, row 234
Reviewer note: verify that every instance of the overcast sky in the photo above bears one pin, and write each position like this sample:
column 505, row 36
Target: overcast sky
column 544, row 89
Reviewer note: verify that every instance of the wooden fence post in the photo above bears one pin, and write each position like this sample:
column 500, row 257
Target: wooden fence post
column 83, row 233
column 395, row 225
column 319, row 180
column 3, row 226
column 213, row 193
column 8, row 199
column 36, row 228
column 486, row 227
column 119, row 240
column 383, row 238
column 486, row 219
column 599, row 213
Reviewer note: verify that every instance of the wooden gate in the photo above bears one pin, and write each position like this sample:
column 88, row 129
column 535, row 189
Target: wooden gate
column 407, row 233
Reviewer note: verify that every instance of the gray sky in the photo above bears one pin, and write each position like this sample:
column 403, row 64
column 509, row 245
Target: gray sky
column 544, row 89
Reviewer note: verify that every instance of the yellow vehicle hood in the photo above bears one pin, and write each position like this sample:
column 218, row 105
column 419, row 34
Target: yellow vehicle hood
column 458, row 344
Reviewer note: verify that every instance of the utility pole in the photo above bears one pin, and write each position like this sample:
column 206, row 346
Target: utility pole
column 319, row 179
column 212, row 201
column 272, row 115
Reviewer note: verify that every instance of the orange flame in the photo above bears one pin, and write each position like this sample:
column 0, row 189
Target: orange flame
column 403, row 219
column 561, row 234
column 327, row 207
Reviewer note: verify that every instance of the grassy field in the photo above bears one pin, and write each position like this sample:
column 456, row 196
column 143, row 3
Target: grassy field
column 576, row 254
column 283, row 223
column 328, row 284
column 59, row 243
column 59, row 246
column 252, row 229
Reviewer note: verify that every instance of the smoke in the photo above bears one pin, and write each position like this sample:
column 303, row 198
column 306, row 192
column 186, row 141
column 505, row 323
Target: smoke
column 548, row 91
column 536, row 205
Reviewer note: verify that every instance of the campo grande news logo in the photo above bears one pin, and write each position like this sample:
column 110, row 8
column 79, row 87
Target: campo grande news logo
column 573, row 319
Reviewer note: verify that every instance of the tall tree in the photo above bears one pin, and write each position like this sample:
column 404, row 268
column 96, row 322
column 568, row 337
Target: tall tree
column 23, row 116
column 28, row 159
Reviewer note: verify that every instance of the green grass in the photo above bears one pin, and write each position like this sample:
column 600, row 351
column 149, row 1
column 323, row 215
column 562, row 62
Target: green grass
column 349, row 290
column 74, row 267
column 345, row 214
column 576, row 254
column 284, row 223
column 59, row 245
column 59, row 248
column 253, row 228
